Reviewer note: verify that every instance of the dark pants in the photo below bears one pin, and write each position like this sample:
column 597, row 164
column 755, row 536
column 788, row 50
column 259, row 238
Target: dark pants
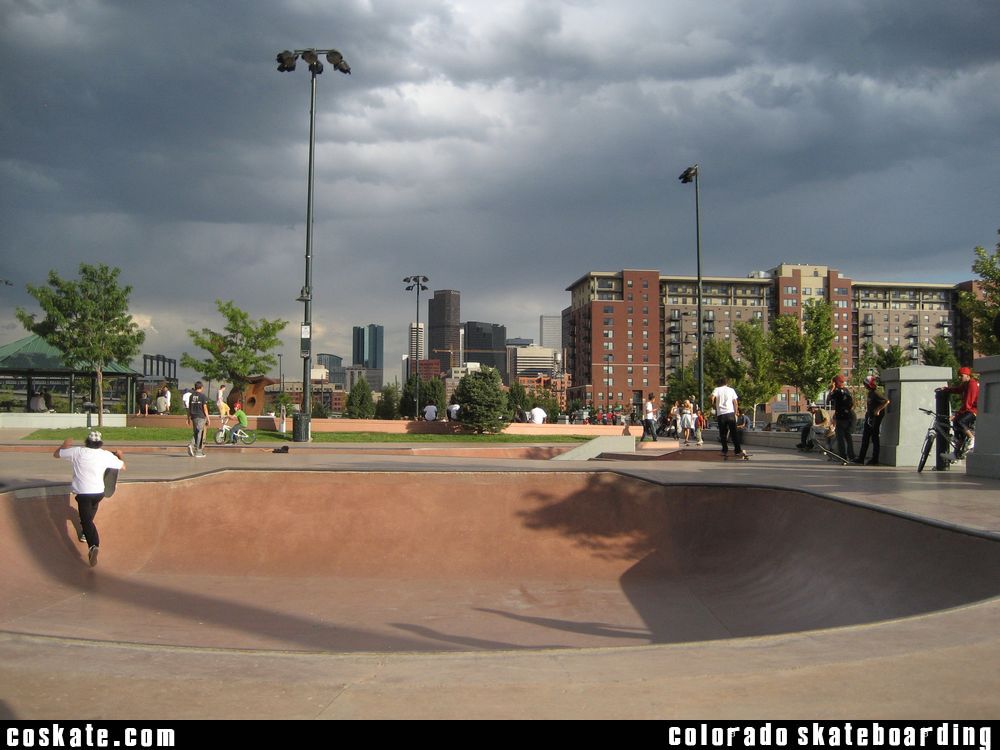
column 964, row 421
column 88, row 509
column 870, row 432
column 727, row 428
column 649, row 428
column 844, row 441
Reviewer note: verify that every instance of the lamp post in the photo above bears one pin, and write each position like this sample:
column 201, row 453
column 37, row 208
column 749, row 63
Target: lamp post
column 286, row 63
column 691, row 175
column 417, row 283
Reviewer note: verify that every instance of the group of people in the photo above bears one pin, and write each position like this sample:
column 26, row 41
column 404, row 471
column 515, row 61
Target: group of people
column 686, row 420
column 839, row 423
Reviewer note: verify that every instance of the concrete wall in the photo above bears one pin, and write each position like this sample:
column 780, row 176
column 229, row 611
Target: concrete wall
column 56, row 420
column 908, row 389
column 984, row 460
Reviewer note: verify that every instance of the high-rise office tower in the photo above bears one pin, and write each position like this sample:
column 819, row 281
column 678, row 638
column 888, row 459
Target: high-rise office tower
column 443, row 328
column 486, row 343
column 368, row 346
column 550, row 331
column 416, row 348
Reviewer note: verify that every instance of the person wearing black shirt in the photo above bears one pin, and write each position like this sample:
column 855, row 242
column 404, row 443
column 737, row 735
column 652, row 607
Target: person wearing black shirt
column 874, row 412
column 842, row 403
column 198, row 419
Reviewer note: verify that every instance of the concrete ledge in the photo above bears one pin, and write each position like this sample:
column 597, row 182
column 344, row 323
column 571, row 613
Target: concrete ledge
column 597, row 446
column 50, row 420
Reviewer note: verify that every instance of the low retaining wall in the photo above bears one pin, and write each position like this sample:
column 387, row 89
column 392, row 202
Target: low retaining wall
column 394, row 426
column 55, row 421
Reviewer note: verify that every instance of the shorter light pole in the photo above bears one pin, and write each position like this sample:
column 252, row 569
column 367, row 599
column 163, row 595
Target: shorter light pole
column 417, row 283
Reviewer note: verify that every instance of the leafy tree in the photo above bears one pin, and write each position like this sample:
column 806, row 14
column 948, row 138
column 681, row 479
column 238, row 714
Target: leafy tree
column 804, row 354
column 544, row 399
column 241, row 350
column 681, row 383
column 87, row 320
column 868, row 361
column 388, row 405
column 431, row 392
column 894, row 356
column 759, row 382
column 939, row 353
column 319, row 409
column 720, row 363
column 983, row 310
column 360, row 404
column 517, row 397
column 484, row 403
column 282, row 399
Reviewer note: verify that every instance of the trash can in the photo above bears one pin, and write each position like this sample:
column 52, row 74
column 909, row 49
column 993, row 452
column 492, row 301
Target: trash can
column 300, row 427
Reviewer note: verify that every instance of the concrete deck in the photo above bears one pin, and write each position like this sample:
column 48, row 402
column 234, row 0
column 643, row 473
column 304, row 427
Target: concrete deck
column 873, row 595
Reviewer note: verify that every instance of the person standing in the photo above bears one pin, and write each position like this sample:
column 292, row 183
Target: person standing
column 89, row 464
column 874, row 413
column 842, row 403
column 726, row 402
column 198, row 419
column 649, row 419
column 965, row 418
column 220, row 402
column 687, row 421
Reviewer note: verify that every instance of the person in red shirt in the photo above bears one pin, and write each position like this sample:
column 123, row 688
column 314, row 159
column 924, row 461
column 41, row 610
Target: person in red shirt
column 965, row 418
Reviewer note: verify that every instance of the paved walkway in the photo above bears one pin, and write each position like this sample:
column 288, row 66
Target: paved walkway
column 942, row 664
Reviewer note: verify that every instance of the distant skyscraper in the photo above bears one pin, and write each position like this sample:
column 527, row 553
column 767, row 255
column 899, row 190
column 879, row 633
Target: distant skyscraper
column 416, row 347
column 550, row 331
column 486, row 343
column 335, row 367
column 443, row 327
column 368, row 346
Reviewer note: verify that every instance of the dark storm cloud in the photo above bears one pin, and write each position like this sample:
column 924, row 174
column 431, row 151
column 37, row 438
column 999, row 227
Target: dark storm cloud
column 504, row 149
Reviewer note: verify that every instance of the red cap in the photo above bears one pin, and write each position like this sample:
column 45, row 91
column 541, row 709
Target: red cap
column 839, row 380
column 964, row 371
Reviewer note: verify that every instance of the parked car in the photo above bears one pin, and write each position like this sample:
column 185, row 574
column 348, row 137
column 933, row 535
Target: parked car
column 792, row 421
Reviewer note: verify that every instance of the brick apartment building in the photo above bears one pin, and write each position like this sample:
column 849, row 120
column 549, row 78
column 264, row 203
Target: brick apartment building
column 625, row 332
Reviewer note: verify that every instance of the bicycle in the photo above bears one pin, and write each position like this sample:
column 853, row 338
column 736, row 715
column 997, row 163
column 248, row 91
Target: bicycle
column 233, row 434
column 937, row 428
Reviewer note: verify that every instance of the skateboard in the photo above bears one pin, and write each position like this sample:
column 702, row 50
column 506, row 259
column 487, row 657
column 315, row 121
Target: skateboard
column 831, row 454
column 110, row 482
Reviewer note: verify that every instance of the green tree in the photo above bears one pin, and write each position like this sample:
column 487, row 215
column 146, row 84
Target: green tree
column 544, row 399
column 803, row 352
column 939, row 353
column 892, row 357
column 867, row 362
column 87, row 320
column 360, row 404
column 681, row 383
column 517, row 397
column 759, row 382
column 720, row 363
column 983, row 309
column 483, row 401
column 388, row 406
column 240, row 351
column 431, row 392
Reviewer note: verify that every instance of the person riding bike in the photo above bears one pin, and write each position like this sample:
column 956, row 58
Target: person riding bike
column 965, row 418
column 241, row 419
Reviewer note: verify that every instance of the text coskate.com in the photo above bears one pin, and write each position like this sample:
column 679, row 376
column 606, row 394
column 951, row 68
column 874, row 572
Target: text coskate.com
column 86, row 735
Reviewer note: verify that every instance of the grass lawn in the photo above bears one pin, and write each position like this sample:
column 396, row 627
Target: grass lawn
column 183, row 435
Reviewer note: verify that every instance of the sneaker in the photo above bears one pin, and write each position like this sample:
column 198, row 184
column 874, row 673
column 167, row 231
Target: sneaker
column 81, row 536
column 191, row 450
column 701, row 442
column 200, row 454
column 92, row 555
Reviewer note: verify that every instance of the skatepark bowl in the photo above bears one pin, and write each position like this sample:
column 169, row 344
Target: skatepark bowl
column 339, row 562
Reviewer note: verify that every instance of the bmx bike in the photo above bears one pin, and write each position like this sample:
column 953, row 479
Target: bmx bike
column 936, row 428
column 228, row 434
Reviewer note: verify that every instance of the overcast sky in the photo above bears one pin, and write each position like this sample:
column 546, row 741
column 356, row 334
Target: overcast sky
column 503, row 149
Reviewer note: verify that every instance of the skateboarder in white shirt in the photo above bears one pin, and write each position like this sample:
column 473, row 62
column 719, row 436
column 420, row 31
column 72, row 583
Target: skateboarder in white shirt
column 89, row 464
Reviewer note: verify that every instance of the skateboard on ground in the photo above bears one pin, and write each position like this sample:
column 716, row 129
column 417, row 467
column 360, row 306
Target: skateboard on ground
column 831, row 454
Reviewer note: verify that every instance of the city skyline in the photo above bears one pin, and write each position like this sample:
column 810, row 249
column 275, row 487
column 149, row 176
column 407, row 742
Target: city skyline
column 499, row 149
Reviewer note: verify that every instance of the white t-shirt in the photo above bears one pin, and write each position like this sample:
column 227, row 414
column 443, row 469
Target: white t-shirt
column 725, row 399
column 88, row 468
column 430, row 412
column 537, row 415
column 650, row 410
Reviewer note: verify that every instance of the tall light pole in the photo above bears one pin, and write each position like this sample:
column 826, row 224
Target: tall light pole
column 286, row 63
column 688, row 175
column 417, row 283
